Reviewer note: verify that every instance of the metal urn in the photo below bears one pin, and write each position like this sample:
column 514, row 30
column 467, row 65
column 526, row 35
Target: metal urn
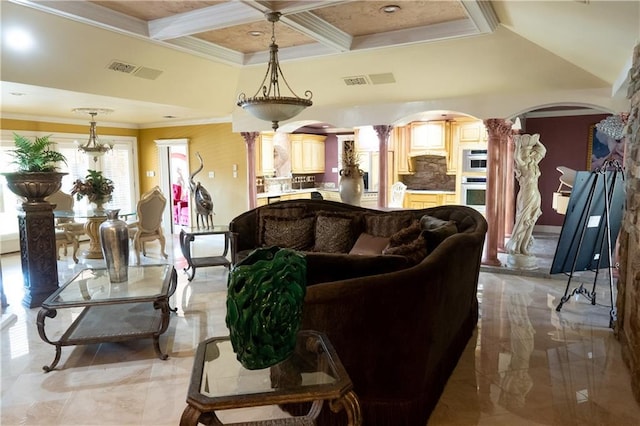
column 114, row 240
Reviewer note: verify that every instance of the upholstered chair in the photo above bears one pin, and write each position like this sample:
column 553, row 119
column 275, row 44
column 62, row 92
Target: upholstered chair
column 68, row 231
column 148, row 227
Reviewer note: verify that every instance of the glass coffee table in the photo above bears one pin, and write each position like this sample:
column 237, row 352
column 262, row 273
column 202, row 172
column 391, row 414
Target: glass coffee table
column 313, row 373
column 135, row 309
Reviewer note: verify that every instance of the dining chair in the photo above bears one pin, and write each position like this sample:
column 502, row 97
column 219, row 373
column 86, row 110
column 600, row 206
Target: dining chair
column 398, row 190
column 68, row 231
column 148, row 227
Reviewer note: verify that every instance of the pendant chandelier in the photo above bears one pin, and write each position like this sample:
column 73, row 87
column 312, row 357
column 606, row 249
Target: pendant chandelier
column 93, row 147
column 271, row 106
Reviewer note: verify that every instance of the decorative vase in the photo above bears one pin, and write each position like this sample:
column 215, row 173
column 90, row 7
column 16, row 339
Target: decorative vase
column 351, row 184
column 265, row 294
column 114, row 240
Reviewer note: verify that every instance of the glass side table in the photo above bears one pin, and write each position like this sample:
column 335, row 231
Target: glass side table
column 188, row 235
column 135, row 309
column 313, row 373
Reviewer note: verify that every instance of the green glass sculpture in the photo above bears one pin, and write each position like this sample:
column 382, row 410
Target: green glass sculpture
column 265, row 294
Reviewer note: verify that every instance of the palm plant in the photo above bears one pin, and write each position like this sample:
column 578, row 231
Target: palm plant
column 35, row 156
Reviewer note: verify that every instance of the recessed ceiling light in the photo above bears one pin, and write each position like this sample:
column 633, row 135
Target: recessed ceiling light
column 169, row 116
column 255, row 33
column 390, row 8
column 18, row 94
column 19, row 39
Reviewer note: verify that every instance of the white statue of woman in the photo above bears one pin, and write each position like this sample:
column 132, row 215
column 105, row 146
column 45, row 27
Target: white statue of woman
column 528, row 153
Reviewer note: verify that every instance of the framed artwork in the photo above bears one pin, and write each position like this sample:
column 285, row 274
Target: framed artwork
column 602, row 147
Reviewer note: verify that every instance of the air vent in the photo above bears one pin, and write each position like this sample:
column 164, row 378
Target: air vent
column 384, row 78
column 355, row 81
column 148, row 73
column 122, row 67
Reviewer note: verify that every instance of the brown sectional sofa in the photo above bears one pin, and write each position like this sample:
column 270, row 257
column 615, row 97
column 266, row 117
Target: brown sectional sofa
column 398, row 321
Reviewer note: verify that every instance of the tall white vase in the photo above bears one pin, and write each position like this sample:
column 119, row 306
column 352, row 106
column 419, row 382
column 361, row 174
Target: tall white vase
column 351, row 184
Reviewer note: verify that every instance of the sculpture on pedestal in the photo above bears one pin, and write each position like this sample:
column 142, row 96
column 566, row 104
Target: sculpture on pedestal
column 529, row 151
column 202, row 199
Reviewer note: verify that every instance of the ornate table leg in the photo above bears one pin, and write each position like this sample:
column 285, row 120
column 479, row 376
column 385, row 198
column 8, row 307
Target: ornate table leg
column 190, row 416
column 351, row 405
column 185, row 247
column 42, row 314
column 92, row 228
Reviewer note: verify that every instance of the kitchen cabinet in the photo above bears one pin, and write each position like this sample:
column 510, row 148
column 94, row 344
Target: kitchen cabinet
column 307, row 153
column 428, row 136
column 470, row 132
column 296, row 196
column 401, row 141
column 421, row 200
column 264, row 155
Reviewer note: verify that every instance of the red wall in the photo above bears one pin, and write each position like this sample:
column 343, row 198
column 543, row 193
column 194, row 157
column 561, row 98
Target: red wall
column 566, row 140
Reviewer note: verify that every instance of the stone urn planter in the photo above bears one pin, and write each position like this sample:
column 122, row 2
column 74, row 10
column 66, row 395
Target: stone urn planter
column 351, row 184
column 34, row 186
column 35, row 179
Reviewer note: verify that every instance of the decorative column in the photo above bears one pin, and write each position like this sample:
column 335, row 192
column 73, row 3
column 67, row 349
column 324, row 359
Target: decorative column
column 37, row 252
column 498, row 131
column 383, row 132
column 250, row 140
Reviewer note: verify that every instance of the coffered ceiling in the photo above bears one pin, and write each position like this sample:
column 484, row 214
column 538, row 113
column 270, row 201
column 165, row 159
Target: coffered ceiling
column 162, row 62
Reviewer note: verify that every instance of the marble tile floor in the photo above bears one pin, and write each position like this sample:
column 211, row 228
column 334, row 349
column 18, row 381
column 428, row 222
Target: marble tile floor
column 526, row 364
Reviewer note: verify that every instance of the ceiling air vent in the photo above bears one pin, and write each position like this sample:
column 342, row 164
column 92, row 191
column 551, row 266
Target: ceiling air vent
column 355, row 81
column 384, row 78
column 122, row 67
column 148, row 73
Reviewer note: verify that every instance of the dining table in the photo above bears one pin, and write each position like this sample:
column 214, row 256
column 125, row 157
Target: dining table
column 93, row 220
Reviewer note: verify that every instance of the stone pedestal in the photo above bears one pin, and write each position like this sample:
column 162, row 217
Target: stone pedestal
column 37, row 252
column 522, row 261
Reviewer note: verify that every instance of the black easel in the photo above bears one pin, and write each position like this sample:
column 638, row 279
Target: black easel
column 597, row 214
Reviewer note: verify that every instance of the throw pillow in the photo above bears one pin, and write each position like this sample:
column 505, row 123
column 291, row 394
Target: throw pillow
column 406, row 235
column 335, row 232
column 430, row 222
column 415, row 250
column 435, row 236
column 386, row 224
column 289, row 232
column 368, row 244
column 287, row 211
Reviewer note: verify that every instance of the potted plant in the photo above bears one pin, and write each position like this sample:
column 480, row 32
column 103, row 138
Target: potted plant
column 37, row 176
column 96, row 187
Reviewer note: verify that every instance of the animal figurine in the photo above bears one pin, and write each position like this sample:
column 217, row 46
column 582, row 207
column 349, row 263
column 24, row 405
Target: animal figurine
column 202, row 199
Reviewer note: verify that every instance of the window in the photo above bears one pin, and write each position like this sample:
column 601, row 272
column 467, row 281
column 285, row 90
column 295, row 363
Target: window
column 119, row 165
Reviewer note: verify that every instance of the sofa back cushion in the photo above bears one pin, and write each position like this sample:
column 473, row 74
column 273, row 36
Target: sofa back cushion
column 296, row 233
column 386, row 224
column 336, row 232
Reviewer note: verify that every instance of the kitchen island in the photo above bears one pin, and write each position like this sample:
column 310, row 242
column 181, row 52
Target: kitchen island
column 422, row 199
column 369, row 198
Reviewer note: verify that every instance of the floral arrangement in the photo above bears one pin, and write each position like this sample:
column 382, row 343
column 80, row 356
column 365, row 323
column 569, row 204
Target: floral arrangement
column 96, row 187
